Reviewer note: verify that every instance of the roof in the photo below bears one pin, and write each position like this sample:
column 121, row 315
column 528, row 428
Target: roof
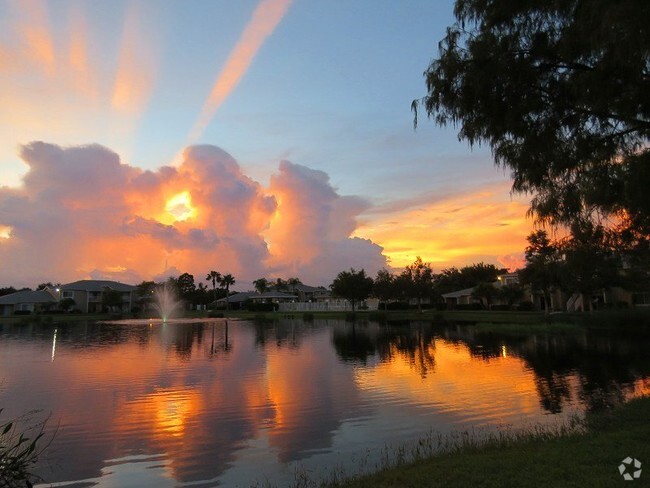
column 97, row 285
column 309, row 289
column 238, row 297
column 248, row 295
column 460, row 293
column 27, row 296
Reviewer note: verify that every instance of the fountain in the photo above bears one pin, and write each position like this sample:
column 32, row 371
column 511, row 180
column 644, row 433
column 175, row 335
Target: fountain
column 165, row 303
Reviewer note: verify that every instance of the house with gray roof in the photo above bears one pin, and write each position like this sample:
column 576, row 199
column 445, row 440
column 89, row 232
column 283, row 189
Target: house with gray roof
column 88, row 295
column 28, row 301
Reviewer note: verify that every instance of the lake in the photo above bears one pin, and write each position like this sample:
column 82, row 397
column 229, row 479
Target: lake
column 241, row 403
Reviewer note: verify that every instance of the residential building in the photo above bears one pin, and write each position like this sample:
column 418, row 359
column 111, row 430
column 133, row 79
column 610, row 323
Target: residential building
column 28, row 301
column 88, row 295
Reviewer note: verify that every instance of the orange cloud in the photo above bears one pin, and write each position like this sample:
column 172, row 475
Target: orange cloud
column 104, row 219
column 460, row 229
column 265, row 18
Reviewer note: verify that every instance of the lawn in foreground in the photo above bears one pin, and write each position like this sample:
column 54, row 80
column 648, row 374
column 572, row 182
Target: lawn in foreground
column 588, row 459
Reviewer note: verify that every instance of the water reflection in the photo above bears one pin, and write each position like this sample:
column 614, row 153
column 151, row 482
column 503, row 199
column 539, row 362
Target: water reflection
column 208, row 400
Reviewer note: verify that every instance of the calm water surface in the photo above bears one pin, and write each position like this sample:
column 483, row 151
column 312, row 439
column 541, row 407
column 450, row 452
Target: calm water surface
column 237, row 403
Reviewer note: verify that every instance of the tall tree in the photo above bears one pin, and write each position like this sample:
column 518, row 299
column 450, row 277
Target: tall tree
column 214, row 277
column 384, row 286
column 485, row 291
column 560, row 90
column 590, row 265
column 186, row 286
column 419, row 279
column 511, row 293
column 261, row 285
column 112, row 300
column 227, row 281
column 292, row 283
column 354, row 286
column 543, row 266
column 280, row 285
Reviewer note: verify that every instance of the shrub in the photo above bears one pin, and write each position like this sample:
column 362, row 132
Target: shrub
column 526, row 306
column 18, row 453
column 469, row 306
column 398, row 306
column 22, row 312
column 215, row 315
column 500, row 308
column 262, row 307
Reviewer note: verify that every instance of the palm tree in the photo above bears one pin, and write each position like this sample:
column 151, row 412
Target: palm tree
column 214, row 277
column 280, row 285
column 226, row 281
column 261, row 285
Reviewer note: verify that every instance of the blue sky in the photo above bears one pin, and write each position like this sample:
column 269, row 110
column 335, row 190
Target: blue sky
column 329, row 87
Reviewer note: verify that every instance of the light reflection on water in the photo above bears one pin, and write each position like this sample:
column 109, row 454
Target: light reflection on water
column 228, row 403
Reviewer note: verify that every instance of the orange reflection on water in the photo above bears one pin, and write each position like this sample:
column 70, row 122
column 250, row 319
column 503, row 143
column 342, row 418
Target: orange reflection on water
column 491, row 389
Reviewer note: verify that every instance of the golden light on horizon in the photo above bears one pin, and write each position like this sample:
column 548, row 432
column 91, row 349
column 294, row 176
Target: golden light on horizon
column 180, row 206
column 452, row 232
column 5, row 232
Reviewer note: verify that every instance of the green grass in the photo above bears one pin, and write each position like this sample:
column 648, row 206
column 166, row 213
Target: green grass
column 574, row 458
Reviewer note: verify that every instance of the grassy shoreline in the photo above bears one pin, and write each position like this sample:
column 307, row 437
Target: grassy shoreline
column 587, row 458
column 492, row 321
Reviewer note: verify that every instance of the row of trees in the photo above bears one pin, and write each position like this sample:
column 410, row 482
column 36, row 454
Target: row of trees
column 584, row 262
column 187, row 290
column 262, row 285
column 418, row 281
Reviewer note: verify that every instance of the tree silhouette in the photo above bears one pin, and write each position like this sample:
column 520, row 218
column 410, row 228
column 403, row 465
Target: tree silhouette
column 226, row 282
column 214, row 277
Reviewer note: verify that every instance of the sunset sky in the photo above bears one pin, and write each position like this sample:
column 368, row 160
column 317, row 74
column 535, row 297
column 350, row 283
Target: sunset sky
column 142, row 139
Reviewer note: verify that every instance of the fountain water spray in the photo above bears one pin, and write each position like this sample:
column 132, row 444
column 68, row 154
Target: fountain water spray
column 166, row 302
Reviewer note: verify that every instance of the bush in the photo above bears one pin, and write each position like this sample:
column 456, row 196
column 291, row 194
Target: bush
column 262, row 307
column 526, row 306
column 500, row 308
column 215, row 315
column 22, row 312
column 441, row 306
column 398, row 306
column 469, row 306
column 18, row 452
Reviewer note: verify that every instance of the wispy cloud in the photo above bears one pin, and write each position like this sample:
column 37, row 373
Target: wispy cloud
column 265, row 18
column 135, row 75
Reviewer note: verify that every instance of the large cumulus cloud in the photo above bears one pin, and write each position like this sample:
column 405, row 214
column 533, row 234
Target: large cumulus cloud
column 82, row 213
column 310, row 234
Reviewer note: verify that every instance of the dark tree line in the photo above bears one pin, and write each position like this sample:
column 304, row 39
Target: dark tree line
column 416, row 282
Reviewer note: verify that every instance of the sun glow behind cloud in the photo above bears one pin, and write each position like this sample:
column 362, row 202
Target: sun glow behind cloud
column 180, row 208
column 124, row 223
